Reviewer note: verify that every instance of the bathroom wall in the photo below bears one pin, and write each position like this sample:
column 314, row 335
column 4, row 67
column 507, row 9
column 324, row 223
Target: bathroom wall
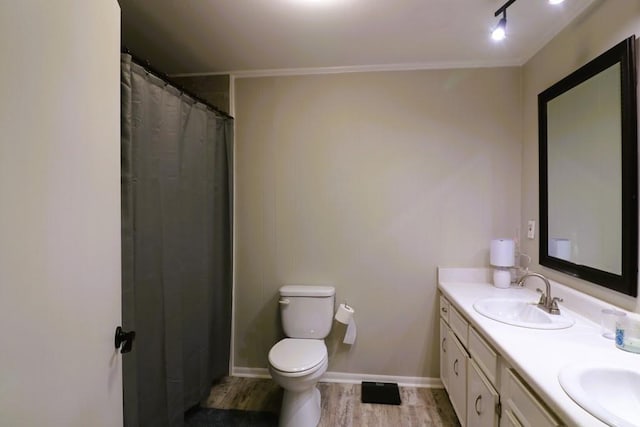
column 368, row 182
column 211, row 88
column 604, row 25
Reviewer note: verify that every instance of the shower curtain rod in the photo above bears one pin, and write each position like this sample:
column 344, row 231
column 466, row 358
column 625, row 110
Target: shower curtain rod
column 163, row 76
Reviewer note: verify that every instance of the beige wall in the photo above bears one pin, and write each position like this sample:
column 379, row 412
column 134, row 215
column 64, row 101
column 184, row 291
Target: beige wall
column 603, row 26
column 213, row 89
column 369, row 181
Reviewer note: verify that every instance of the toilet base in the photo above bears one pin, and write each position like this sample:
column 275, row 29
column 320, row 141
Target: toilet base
column 300, row 409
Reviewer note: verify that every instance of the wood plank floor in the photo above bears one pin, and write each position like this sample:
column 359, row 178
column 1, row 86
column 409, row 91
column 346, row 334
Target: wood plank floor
column 341, row 404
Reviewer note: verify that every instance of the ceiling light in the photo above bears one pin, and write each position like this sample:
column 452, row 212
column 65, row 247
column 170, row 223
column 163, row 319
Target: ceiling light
column 500, row 31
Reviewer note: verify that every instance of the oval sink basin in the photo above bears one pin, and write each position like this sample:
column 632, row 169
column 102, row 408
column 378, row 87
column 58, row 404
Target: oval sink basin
column 609, row 393
column 521, row 313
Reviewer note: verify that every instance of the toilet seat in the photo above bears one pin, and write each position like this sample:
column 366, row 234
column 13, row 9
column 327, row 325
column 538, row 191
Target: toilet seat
column 297, row 356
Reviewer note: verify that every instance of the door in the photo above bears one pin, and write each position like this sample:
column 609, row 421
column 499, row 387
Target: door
column 60, row 213
column 444, row 357
column 482, row 399
column 458, row 360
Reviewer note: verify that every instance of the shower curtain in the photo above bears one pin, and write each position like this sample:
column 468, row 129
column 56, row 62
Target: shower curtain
column 176, row 247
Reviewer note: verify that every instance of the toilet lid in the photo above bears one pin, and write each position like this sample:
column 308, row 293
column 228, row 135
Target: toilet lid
column 295, row 355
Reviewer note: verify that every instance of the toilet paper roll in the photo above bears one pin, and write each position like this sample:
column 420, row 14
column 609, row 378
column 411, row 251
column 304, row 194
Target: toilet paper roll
column 350, row 335
column 344, row 314
column 502, row 253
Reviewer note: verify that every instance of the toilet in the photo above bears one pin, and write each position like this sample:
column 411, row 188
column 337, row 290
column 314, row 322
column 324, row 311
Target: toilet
column 297, row 362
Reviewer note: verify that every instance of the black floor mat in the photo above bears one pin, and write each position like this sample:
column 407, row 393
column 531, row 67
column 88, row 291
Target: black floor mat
column 210, row 417
column 384, row 393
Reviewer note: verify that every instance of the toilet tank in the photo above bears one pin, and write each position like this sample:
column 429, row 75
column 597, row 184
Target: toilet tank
column 307, row 311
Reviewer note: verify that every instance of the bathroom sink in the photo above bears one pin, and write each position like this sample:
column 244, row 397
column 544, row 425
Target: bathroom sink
column 609, row 393
column 521, row 313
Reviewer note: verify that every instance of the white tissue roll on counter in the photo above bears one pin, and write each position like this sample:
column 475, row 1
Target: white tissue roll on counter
column 502, row 253
column 502, row 257
column 344, row 315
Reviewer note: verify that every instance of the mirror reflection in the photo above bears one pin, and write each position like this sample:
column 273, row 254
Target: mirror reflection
column 584, row 173
column 588, row 172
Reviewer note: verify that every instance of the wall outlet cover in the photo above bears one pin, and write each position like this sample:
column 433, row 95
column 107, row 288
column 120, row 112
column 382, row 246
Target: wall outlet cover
column 531, row 229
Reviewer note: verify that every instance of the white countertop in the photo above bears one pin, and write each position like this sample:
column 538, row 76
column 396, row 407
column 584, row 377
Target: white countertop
column 539, row 355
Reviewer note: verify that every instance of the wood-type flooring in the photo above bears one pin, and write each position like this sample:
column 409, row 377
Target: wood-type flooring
column 341, row 405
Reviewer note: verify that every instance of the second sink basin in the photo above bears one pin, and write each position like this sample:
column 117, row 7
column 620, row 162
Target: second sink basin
column 521, row 313
column 608, row 392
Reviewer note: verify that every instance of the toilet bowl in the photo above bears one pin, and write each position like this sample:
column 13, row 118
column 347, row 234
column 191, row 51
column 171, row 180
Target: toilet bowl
column 297, row 365
column 298, row 362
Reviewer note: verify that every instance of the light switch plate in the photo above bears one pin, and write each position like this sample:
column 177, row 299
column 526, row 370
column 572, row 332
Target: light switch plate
column 531, row 229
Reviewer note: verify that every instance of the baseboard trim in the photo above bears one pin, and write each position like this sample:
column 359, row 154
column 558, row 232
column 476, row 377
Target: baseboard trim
column 348, row 378
column 250, row 372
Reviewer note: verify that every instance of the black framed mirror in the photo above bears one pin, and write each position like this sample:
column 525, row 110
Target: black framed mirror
column 587, row 127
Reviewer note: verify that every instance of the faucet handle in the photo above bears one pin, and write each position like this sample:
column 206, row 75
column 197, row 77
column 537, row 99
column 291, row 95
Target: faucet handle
column 554, row 305
column 543, row 297
column 555, row 301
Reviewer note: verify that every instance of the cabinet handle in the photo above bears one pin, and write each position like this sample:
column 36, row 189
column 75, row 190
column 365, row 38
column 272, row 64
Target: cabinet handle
column 478, row 401
column 455, row 367
column 444, row 347
column 444, row 309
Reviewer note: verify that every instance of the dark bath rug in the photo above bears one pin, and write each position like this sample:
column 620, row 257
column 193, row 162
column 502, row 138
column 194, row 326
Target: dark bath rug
column 210, row 417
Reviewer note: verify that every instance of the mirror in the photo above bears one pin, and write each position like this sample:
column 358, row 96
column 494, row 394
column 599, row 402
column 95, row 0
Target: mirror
column 588, row 172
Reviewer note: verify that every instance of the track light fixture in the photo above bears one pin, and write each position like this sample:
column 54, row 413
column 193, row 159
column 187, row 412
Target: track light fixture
column 500, row 30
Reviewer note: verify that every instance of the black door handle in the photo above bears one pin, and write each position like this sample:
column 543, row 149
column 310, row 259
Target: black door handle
column 124, row 339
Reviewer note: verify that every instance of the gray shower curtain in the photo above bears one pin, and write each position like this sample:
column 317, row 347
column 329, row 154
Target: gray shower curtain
column 176, row 244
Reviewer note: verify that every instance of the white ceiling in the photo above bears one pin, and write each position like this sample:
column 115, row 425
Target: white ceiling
column 209, row 36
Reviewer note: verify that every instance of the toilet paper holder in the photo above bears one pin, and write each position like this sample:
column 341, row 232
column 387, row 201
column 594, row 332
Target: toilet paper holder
column 344, row 315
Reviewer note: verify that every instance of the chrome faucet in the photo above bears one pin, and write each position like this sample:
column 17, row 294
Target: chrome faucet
column 546, row 303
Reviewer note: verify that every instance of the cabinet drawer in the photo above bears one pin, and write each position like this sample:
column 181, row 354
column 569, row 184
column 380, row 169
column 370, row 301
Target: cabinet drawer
column 524, row 405
column 444, row 308
column 484, row 355
column 459, row 325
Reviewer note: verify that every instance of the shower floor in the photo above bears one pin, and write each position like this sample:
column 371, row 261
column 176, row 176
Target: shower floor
column 341, row 404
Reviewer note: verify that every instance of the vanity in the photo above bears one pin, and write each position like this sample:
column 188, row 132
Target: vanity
column 504, row 361
column 498, row 374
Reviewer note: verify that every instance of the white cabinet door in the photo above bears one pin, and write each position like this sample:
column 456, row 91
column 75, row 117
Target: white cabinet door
column 482, row 399
column 60, row 217
column 509, row 420
column 526, row 408
column 444, row 356
column 458, row 359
